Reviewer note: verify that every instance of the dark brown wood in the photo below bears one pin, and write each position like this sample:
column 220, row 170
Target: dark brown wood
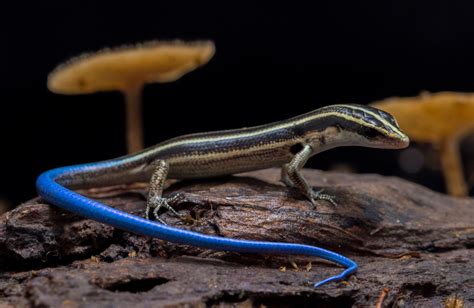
column 414, row 246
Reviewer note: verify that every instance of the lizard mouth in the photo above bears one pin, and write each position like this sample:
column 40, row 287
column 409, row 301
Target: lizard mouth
column 398, row 142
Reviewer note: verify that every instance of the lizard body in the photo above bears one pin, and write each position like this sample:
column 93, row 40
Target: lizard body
column 287, row 144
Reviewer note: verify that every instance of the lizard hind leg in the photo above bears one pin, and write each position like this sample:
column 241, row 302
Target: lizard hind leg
column 155, row 199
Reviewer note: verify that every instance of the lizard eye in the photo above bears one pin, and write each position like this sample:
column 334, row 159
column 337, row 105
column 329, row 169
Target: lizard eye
column 370, row 133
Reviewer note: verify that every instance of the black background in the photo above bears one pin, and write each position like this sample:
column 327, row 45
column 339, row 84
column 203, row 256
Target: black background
column 273, row 61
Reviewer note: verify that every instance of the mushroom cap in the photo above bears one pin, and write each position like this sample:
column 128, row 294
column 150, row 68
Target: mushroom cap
column 128, row 66
column 432, row 117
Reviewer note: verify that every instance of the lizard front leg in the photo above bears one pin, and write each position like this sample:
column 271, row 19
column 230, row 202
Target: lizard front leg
column 291, row 176
column 155, row 200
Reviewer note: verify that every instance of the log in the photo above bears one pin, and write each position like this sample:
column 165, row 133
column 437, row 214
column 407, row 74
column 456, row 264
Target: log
column 414, row 247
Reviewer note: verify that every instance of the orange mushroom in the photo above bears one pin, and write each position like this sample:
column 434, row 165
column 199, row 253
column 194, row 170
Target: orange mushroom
column 128, row 69
column 441, row 119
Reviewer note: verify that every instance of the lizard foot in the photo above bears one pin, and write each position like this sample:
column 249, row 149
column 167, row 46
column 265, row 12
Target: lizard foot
column 318, row 195
column 156, row 203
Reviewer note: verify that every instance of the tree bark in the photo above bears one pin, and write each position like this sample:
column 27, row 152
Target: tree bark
column 414, row 247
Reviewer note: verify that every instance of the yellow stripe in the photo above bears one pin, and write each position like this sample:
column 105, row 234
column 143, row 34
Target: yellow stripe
column 277, row 127
column 234, row 152
column 377, row 116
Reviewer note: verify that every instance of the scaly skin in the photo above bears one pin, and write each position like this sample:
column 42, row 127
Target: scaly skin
column 287, row 144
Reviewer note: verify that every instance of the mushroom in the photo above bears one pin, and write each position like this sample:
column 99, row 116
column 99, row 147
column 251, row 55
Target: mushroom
column 128, row 69
column 441, row 119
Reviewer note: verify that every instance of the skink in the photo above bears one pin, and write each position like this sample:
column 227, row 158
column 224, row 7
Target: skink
column 287, row 144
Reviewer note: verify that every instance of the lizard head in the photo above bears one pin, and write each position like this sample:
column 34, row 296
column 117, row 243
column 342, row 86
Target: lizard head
column 353, row 125
column 370, row 127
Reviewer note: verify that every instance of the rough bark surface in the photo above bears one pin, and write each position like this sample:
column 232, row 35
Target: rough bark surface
column 414, row 247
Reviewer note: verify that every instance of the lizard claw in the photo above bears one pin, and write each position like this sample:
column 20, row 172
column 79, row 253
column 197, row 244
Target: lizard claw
column 318, row 195
column 156, row 203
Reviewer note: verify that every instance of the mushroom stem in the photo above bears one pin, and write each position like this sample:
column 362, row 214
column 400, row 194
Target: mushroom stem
column 452, row 168
column 134, row 126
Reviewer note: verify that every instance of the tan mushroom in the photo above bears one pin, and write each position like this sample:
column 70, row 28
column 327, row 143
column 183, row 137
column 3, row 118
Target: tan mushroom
column 128, row 69
column 441, row 119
